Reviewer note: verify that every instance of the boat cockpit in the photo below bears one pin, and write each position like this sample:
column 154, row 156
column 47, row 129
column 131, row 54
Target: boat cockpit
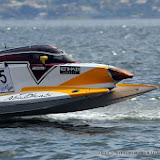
column 36, row 54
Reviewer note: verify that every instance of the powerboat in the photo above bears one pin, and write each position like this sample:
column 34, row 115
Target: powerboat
column 42, row 79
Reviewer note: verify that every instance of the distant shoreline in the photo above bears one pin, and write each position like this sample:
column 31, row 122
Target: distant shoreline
column 86, row 9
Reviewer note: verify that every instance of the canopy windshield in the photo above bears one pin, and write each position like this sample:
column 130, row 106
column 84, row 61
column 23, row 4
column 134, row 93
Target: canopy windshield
column 36, row 49
column 33, row 54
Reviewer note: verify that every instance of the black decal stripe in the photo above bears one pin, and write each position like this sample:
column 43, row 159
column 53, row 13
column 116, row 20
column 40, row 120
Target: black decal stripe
column 45, row 74
column 30, row 71
column 34, row 52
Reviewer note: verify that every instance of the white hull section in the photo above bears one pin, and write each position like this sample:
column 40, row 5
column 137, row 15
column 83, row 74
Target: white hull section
column 32, row 97
column 19, row 75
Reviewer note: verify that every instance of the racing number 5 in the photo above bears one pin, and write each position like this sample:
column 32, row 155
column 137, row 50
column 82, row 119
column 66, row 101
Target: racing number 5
column 4, row 80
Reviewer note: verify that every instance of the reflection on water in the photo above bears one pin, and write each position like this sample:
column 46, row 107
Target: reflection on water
column 64, row 125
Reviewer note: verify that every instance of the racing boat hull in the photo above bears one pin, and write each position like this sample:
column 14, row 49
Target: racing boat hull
column 18, row 105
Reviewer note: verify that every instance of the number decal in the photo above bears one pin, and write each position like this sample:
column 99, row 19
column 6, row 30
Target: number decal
column 4, row 79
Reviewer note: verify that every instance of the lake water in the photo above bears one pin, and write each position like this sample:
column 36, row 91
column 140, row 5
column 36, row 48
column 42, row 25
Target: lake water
column 126, row 130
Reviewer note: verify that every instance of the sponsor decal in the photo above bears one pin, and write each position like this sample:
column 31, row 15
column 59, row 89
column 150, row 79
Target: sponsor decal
column 69, row 70
column 38, row 68
column 6, row 88
column 25, row 96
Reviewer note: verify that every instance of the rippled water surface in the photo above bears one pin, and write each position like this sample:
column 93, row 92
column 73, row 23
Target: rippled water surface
column 126, row 130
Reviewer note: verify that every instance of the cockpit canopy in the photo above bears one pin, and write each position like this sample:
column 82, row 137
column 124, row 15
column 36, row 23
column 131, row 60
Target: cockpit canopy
column 34, row 53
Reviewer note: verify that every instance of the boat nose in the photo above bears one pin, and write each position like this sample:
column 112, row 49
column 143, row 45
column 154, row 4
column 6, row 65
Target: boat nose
column 119, row 74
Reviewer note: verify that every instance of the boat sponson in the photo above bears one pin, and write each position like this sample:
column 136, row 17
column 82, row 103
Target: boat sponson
column 120, row 93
